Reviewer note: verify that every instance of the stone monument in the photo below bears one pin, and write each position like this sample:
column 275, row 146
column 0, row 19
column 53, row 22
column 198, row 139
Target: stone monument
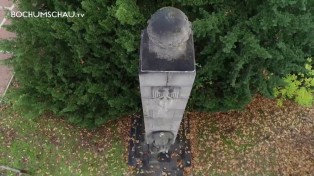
column 167, row 73
column 166, row 76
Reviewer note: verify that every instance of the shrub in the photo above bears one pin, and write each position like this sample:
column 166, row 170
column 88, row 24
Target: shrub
column 87, row 68
column 298, row 87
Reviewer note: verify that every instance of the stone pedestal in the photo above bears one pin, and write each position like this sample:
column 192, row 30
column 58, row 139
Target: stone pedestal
column 167, row 73
column 156, row 164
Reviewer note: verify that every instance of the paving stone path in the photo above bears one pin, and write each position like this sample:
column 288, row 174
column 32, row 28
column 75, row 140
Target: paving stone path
column 6, row 73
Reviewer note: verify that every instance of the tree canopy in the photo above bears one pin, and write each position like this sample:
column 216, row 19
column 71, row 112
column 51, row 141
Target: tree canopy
column 86, row 68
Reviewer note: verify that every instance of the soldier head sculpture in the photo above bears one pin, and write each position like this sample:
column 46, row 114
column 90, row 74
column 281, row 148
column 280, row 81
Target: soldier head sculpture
column 167, row 72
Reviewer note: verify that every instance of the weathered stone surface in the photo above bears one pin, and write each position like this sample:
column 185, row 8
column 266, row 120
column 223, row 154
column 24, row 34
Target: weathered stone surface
column 151, row 62
column 171, row 114
column 169, row 27
column 167, row 72
column 171, row 162
column 184, row 93
column 153, row 79
column 185, row 79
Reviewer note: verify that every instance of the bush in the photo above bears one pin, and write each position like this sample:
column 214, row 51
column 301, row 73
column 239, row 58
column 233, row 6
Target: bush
column 87, row 68
column 298, row 87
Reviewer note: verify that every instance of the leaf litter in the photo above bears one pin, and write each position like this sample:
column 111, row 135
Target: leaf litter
column 263, row 139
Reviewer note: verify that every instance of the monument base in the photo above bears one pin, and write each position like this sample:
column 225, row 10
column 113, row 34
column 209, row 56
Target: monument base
column 156, row 164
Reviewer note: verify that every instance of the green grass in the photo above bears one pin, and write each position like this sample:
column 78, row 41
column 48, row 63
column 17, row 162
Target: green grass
column 49, row 146
column 115, row 168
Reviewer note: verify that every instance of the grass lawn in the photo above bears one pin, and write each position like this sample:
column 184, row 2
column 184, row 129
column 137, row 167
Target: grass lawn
column 261, row 140
column 49, row 146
